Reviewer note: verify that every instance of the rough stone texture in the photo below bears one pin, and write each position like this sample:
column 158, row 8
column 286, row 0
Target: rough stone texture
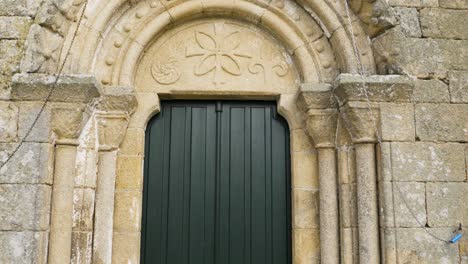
column 444, row 23
column 416, row 246
column 129, row 172
column 42, row 50
column 428, row 162
column 373, row 88
column 69, row 88
column 397, row 122
column 14, row 27
column 19, row 7
column 409, row 21
column 121, row 252
column 81, row 251
column 419, row 57
column 83, row 209
column 32, row 163
column 127, row 211
column 306, row 208
column 461, row 4
column 446, row 204
column 24, row 207
column 442, row 122
column 458, row 86
column 414, row 3
column 408, row 198
column 431, row 91
column 8, row 121
column 28, row 112
column 23, row 247
column 10, row 54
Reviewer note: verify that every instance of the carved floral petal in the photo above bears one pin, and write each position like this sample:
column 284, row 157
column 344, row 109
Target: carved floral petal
column 230, row 65
column 205, row 41
column 231, row 42
column 207, row 64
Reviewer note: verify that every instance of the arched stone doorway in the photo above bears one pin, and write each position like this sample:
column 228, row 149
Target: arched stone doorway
column 287, row 51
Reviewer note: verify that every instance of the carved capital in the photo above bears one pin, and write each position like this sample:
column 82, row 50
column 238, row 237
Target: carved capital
column 67, row 123
column 315, row 96
column 362, row 120
column 321, row 126
column 111, row 129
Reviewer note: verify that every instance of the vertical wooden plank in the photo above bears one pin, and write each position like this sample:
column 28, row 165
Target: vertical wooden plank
column 258, row 186
column 197, row 186
column 236, row 182
column 210, row 185
column 176, row 183
column 268, row 186
column 280, row 185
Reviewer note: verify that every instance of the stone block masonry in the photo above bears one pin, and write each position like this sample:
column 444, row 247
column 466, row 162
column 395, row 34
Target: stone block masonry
column 421, row 116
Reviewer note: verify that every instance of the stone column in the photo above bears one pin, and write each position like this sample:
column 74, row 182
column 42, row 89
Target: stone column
column 363, row 119
column 111, row 128
column 361, row 99
column 66, row 124
column 110, row 117
column 321, row 126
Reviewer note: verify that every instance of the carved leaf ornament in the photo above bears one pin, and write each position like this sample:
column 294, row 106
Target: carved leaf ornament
column 219, row 53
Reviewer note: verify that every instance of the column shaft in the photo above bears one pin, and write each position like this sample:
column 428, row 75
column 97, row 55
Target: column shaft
column 61, row 221
column 367, row 204
column 329, row 224
column 104, row 216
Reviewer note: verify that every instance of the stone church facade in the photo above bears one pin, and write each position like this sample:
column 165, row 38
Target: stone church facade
column 375, row 93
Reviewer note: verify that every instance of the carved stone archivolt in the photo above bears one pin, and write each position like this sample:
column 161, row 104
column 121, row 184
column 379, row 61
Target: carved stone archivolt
column 216, row 54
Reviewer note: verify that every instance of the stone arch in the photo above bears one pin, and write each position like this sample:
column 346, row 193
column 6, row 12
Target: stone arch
column 119, row 34
column 317, row 34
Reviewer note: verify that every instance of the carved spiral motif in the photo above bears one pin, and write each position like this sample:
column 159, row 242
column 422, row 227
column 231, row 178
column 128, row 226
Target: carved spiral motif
column 166, row 73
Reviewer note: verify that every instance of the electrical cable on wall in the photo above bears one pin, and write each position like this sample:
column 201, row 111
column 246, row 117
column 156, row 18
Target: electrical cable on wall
column 49, row 94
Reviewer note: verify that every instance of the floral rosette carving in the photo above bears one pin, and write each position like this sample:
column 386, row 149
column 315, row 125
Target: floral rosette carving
column 167, row 72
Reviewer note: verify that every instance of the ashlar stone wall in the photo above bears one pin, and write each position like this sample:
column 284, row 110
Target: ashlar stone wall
column 393, row 187
column 426, row 161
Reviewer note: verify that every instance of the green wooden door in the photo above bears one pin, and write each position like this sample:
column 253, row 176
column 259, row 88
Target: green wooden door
column 217, row 185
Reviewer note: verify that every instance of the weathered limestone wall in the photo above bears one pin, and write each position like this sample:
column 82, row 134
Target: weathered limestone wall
column 25, row 183
column 422, row 158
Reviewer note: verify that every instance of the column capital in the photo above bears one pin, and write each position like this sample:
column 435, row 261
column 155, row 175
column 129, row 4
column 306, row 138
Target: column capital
column 321, row 126
column 110, row 129
column 67, row 123
column 362, row 120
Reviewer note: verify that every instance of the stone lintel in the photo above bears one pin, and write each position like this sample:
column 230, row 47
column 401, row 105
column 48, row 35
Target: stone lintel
column 362, row 119
column 69, row 88
column 380, row 88
column 116, row 98
column 321, row 126
column 316, row 96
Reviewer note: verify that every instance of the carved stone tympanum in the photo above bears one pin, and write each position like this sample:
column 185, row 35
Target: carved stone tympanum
column 217, row 54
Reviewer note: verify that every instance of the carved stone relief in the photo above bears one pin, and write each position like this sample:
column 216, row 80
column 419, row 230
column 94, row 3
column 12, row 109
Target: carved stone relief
column 216, row 54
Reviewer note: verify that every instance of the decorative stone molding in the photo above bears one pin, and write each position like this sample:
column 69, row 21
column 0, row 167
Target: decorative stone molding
column 116, row 99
